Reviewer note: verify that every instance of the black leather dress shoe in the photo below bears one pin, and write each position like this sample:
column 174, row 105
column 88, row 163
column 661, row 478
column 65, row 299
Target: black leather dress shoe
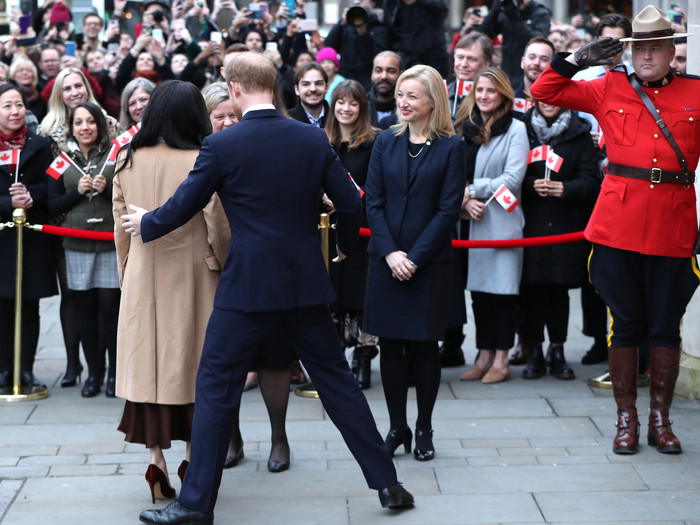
column 176, row 514
column 29, row 379
column 395, row 497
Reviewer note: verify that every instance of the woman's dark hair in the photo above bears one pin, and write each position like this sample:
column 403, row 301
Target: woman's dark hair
column 100, row 120
column 9, row 87
column 175, row 114
column 263, row 37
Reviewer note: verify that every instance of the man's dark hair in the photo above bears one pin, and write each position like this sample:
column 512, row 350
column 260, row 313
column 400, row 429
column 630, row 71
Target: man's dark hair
column 539, row 40
column 305, row 68
column 614, row 20
column 681, row 40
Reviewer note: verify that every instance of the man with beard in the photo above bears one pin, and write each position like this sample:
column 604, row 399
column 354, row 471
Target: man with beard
column 537, row 56
column 310, row 85
column 386, row 69
column 678, row 63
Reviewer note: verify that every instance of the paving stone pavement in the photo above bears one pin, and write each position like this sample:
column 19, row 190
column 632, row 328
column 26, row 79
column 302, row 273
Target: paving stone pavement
column 520, row 452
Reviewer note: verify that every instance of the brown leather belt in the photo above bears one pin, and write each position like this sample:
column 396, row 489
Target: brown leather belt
column 653, row 175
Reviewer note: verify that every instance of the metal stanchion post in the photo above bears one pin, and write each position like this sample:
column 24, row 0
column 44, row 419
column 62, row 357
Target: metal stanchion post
column 20, row 393
column 309, row 390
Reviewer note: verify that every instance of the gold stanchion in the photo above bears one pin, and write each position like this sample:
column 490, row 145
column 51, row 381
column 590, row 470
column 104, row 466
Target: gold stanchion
column 309, row 390
column 19, row 393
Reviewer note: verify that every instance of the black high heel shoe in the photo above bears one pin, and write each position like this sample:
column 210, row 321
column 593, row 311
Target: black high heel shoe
column 92, row 387
column 396, row 437
column 182, row 470
column 425, row 450
column 232, row 461
column 71, row 377
column 111, row 388
column 274, row 465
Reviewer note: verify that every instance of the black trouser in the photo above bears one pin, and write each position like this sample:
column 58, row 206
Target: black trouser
column 495, row 319
column 546, row 305
column 99, row 312
column 646, row 294
column 30, row 333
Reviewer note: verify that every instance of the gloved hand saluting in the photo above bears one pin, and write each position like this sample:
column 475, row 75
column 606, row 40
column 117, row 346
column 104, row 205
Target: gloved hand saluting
column 598, row 52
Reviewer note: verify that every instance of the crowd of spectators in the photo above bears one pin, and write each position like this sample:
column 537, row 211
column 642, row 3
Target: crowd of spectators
column 115, row 62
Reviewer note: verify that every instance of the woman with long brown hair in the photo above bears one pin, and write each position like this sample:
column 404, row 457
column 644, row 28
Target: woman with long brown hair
column 497, row 149
column 351, row 134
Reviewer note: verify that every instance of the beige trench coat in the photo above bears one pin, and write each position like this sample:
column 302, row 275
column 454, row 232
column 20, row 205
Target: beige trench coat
column 168, row 285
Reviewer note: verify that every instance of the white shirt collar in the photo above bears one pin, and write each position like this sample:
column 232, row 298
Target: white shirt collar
column 257, row 107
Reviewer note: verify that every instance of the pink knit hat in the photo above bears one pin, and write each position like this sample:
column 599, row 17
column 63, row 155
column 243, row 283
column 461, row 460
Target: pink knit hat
column 60, row 13
column 328, row 53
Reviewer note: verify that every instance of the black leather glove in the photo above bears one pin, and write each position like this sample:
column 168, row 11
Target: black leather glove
column 598, row 52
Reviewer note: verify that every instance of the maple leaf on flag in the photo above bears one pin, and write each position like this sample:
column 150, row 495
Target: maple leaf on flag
column 5, row 156
column 59, row 164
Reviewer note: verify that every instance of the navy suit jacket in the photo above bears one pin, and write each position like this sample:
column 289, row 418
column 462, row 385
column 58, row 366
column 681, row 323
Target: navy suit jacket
column 415, row 214
column 268, row 171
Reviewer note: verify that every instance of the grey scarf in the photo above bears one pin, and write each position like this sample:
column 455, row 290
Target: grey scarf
column 546, row 133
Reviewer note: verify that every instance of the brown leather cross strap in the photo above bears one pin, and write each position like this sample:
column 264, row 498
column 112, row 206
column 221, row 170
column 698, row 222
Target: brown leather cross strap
column 653, row 175
column 659, row 122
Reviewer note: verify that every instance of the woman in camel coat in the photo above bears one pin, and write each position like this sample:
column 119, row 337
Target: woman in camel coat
column 168, row 285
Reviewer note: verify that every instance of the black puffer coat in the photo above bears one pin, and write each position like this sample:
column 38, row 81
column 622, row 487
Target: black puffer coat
column 563, row 264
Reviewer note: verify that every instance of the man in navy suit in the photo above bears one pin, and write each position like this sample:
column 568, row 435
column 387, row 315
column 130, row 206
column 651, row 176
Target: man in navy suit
column 268, row 172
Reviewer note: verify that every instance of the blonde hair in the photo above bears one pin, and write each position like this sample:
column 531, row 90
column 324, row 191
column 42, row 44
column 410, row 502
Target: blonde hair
column 440, row 123
column 468, row 108
column 57, row 114
column 22, row 61
column 253, row 71
column 214, row 94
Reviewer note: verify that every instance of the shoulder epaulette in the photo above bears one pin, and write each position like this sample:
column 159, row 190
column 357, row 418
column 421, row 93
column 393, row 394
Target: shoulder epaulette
column 686, row 75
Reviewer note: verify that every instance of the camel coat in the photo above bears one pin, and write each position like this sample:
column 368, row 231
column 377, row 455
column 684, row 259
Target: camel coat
column 167, row 285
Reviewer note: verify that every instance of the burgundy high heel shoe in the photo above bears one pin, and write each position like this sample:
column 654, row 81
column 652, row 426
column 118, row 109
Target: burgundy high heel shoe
column 182, row 469
column 159, row 484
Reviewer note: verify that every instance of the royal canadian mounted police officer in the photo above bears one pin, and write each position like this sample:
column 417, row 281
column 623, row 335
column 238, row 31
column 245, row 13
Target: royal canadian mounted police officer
column 644, row 225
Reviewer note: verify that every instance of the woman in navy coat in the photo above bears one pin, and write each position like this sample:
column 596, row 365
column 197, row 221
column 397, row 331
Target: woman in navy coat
column 414, row 192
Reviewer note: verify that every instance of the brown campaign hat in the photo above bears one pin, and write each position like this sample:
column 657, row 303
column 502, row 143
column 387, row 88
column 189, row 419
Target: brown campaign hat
column 652, row 24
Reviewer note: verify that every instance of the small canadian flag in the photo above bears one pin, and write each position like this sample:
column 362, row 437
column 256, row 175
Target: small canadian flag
column 521, row 105
column 463, row 87
column 362, row 193
column 9, row 156
column 123, row 140
column 537, row 154
column 59, row 166
column 505, row 198
column 554, row 161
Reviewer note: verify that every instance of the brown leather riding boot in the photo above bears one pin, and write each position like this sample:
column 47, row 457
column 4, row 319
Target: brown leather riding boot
column 664, row 372
column 623, row 374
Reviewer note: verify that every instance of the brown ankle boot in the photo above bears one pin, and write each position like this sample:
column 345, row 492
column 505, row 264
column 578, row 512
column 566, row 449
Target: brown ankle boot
column 623, row 374
column 664, row 372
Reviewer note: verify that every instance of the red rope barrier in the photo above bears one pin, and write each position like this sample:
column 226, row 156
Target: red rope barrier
column 364, row 232
column 508, row 243
column 80, row 234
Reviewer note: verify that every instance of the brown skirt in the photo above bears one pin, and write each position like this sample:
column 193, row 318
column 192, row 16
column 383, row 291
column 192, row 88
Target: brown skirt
column 156, row 425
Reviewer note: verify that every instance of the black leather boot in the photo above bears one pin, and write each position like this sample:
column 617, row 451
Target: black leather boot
column 535, row 367
column 364, row 355
column 451, row 349
column 559, row 367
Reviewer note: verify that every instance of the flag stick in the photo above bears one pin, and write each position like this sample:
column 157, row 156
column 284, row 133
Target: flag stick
column 19, row 152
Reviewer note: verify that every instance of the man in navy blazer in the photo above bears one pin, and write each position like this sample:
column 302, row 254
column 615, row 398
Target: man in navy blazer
column 268, row 172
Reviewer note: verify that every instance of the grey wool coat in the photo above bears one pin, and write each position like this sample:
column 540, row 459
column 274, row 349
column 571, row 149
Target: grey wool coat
column 502, row 161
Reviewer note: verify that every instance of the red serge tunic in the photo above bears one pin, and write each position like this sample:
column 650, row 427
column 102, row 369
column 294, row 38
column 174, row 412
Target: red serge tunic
column 633, row 214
